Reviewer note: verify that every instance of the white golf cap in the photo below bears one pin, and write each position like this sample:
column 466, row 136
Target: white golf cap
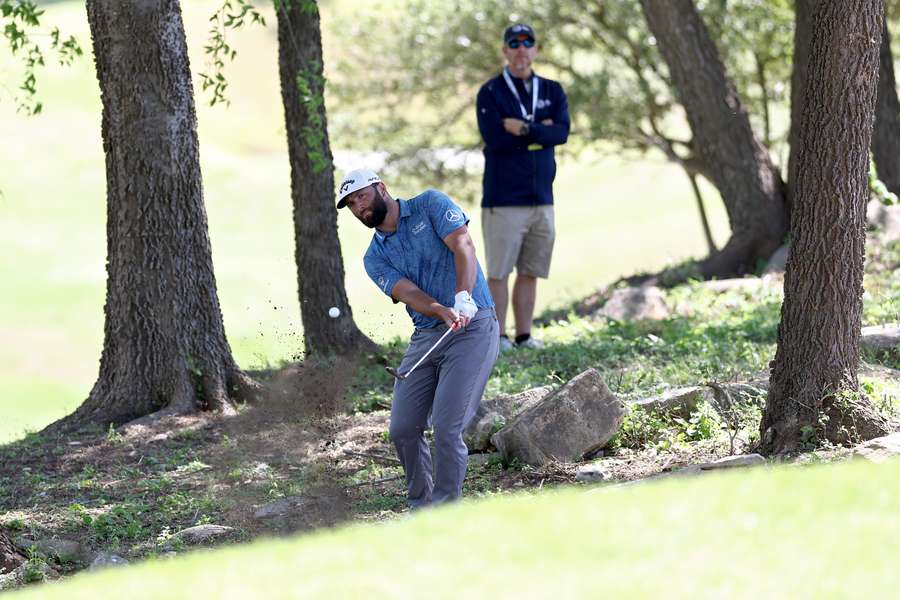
column 353, row 181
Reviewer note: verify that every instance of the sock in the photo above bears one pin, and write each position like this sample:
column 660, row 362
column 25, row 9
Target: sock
column 522, row 337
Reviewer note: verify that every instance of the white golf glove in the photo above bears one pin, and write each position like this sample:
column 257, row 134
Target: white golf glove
column 465, row 305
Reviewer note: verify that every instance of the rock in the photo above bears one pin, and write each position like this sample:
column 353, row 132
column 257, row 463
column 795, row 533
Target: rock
column 726, row 396
column 483, row 459
column 577, row 419
column 680, row 401
column 591, row 473
column 11, row 555
column 722, row 396
column 880, row 449
column 728, row 462
column 891, row 229
column 881, row 338
column 27, row 573
column 478, row 435
column 778, row 261
column 493, row 414
column 885, row 219
column 636, row 304
column 10, row 580
column 203, row 533
column 279, row 508
column 874, row 210
column 876, row 371
column 63, row 551
column 731, row 462
column 106, row 559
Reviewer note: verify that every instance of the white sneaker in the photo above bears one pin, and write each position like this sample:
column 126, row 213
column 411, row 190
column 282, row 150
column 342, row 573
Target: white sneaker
column 532, row 343
column 506, row 344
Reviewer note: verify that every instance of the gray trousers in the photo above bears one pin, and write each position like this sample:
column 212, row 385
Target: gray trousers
column 448, row 387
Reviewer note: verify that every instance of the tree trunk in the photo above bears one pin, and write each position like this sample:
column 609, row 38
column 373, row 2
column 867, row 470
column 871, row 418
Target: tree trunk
column 886, row 136
column 320, row 267
column 164, row 344
column 813, row 393
column 740, row 166
column 803, row 10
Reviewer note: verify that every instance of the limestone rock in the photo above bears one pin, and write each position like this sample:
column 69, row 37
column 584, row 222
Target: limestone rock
column 494, row 413
column 591, row 473
column 880, row 449
column 279, row 508
column 778, row 261
column 731, row 462
column 202, row 534
column 636, row 304
column 106, row 559
column 881, row 338
column 578, row 419
column 680, row 401
column 63, row 551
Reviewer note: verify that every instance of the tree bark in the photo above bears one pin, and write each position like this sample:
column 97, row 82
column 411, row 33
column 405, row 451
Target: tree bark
column 813, row 393
column 803, row 10
column 164, row 341
column 886, row 136
column 320, row 267
column 740, row 166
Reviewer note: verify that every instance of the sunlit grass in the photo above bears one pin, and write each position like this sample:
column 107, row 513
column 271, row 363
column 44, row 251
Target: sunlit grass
column 818, row 532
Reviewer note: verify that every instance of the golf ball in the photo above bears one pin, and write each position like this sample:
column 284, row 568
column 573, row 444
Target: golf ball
column 334, row 312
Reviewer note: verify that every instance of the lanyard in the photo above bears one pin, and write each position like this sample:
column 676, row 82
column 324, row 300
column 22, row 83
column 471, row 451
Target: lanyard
column 534, row 95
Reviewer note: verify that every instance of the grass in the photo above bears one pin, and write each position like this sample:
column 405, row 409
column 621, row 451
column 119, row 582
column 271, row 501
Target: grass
column 816, row 532
column 729, row 337
column 52, row 229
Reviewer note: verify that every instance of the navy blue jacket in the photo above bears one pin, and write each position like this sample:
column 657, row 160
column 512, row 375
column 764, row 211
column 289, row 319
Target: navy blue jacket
column 513, row 174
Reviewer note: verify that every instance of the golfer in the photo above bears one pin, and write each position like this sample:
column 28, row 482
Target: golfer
column 422, row 255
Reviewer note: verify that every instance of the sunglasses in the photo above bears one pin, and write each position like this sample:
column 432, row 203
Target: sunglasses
column 516, row 43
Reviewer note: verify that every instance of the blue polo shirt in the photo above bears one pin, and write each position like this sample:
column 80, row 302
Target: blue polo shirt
column 416, row 251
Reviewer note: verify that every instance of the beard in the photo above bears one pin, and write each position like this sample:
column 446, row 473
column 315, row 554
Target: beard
column 378, row 211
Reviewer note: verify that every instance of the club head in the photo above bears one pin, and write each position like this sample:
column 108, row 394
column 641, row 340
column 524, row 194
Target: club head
column 395, row 373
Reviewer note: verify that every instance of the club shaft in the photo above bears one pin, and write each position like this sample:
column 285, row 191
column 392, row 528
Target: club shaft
column 424, row 356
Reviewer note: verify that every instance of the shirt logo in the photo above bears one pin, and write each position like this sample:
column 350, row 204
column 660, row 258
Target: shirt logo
column 382, row 283
column 418, row 228
column 453, row 216
column 542, row 103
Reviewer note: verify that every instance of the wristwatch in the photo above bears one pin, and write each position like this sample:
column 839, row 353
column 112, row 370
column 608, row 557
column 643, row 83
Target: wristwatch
column 523, row 131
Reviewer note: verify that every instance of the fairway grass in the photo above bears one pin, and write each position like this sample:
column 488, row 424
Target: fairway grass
column 827, row 531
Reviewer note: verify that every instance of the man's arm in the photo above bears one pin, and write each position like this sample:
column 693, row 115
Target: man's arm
column 460, row 243
column 411, row 295
column 491, row 125
column 555, row 132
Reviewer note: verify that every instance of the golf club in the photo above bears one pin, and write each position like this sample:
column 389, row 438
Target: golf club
column 396, row 373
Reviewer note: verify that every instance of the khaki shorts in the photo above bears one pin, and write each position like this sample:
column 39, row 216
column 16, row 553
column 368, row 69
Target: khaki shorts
column 520, row 237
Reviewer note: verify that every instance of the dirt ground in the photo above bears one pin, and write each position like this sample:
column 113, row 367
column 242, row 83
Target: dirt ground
column 307, row 464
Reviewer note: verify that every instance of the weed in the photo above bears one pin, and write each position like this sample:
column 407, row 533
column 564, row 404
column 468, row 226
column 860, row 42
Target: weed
column 36, row 566
column 14, row 525
column 113, row 436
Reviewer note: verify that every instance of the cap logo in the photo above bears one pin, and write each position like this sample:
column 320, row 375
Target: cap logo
column 346, row 185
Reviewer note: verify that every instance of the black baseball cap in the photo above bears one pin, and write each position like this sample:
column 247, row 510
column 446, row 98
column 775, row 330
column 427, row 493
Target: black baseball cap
column 518, row 31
